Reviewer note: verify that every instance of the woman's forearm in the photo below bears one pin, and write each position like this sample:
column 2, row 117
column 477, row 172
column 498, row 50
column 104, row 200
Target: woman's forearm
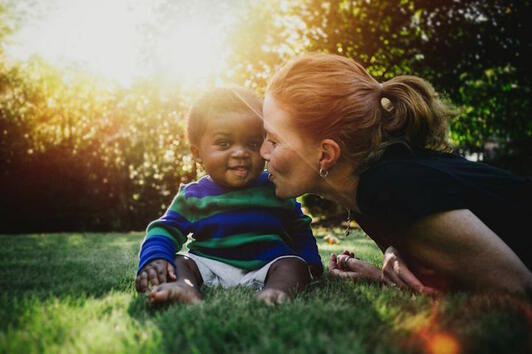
column 458, row 245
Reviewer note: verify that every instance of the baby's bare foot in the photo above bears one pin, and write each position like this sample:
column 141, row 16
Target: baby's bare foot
column 273, row 296
column 174, row 291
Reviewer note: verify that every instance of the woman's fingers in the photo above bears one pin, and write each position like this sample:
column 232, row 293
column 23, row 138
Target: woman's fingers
column 342, row 261
column 396, row 271
column 409, row 278
column 333, row 263
column 391, row 270
column 348, row 253
column 335, row 270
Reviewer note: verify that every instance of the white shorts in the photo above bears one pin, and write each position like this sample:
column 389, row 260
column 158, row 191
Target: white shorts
column 215, row 273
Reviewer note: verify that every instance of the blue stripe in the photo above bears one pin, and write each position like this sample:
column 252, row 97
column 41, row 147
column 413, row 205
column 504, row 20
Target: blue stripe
column 272, row 253
column 307, row 249
column 176, row 220
column 203, row 188
column 260, row 221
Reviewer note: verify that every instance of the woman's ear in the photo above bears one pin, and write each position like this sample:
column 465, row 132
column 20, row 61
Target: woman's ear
column 195, row 153
column 330, row 153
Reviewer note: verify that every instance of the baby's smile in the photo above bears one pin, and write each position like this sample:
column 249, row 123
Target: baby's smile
column 240, row 170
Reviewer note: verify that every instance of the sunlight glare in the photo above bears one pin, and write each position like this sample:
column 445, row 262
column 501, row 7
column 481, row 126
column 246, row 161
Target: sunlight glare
column 191, row 52
column 112, row 38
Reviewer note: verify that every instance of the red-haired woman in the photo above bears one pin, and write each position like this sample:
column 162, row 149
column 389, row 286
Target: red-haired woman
column 381, row 151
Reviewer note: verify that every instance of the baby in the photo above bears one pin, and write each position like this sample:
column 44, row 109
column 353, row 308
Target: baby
column 242, row 233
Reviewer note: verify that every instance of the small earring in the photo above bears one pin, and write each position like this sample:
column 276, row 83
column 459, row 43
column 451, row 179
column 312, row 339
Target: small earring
column 323, row 174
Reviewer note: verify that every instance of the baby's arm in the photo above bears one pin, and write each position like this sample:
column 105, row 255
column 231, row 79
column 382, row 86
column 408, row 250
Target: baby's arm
column 156, row 257
column 163, row 238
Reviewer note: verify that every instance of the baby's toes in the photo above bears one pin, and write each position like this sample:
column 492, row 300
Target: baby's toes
column 159, row 293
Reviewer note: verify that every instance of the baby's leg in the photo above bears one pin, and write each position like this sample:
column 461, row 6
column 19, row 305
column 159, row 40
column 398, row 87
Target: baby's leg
column 185, row 288
column 284, row 277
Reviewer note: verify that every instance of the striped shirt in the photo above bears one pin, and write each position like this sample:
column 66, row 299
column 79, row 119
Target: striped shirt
column 246, row 228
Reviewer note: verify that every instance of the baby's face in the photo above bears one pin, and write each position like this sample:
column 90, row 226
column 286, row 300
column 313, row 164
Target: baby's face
column 229, row 149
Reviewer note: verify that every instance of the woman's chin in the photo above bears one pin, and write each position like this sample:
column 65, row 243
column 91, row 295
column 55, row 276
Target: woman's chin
column 283, row 193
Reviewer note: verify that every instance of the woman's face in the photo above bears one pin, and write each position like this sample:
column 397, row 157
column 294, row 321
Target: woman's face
column 292, row 159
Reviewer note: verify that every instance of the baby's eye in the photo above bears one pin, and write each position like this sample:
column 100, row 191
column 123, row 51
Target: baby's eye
column 223, row 143
column 255, row 144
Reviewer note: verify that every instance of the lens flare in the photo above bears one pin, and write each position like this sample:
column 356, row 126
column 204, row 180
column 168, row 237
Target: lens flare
column 442, row 343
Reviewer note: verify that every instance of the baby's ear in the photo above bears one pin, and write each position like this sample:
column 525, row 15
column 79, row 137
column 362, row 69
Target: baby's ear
column 195, row 153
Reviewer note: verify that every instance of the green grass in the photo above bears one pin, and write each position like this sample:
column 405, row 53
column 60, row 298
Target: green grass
column 74, row 293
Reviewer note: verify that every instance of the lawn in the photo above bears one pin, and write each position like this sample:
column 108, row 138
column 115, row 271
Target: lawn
column 74, row 293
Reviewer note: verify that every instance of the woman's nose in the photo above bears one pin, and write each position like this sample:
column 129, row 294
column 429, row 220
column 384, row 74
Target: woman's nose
column 265, row 150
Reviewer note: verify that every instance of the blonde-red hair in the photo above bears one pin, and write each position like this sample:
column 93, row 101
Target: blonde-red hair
column 330, row 96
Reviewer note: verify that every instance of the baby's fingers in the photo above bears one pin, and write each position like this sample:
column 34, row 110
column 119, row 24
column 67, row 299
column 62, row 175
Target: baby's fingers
column 171, row 271
column 161, row 273
column 141, row 283
column 152, row 276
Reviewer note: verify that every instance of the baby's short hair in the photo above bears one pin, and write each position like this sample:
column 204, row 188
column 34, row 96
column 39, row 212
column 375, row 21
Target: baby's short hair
column 217, row 101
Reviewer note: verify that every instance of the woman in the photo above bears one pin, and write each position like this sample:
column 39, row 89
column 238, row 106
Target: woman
column 381, row 151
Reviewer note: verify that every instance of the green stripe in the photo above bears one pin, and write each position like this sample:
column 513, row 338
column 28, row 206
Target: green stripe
column 234, row 240
column 194, row 209
column 242, row 264
column 176, row 236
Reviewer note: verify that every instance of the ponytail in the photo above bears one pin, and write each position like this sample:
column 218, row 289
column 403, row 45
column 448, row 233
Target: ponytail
column 414, row 114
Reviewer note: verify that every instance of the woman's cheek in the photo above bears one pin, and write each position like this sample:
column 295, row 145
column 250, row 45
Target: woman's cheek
column 279, row 162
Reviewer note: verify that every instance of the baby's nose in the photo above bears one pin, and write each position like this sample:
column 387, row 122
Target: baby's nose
column 239, row 151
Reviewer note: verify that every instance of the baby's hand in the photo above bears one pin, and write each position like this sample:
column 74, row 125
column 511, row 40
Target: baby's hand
column 155, row 272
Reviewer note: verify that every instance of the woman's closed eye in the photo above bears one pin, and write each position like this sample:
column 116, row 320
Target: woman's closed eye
column 271, row 141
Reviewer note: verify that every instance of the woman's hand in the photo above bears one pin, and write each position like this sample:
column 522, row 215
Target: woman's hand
column 347, row 265
column 396, row 273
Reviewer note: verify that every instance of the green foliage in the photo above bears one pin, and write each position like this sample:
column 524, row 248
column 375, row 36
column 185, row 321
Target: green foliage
column 96, row 156
column 75, row 293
